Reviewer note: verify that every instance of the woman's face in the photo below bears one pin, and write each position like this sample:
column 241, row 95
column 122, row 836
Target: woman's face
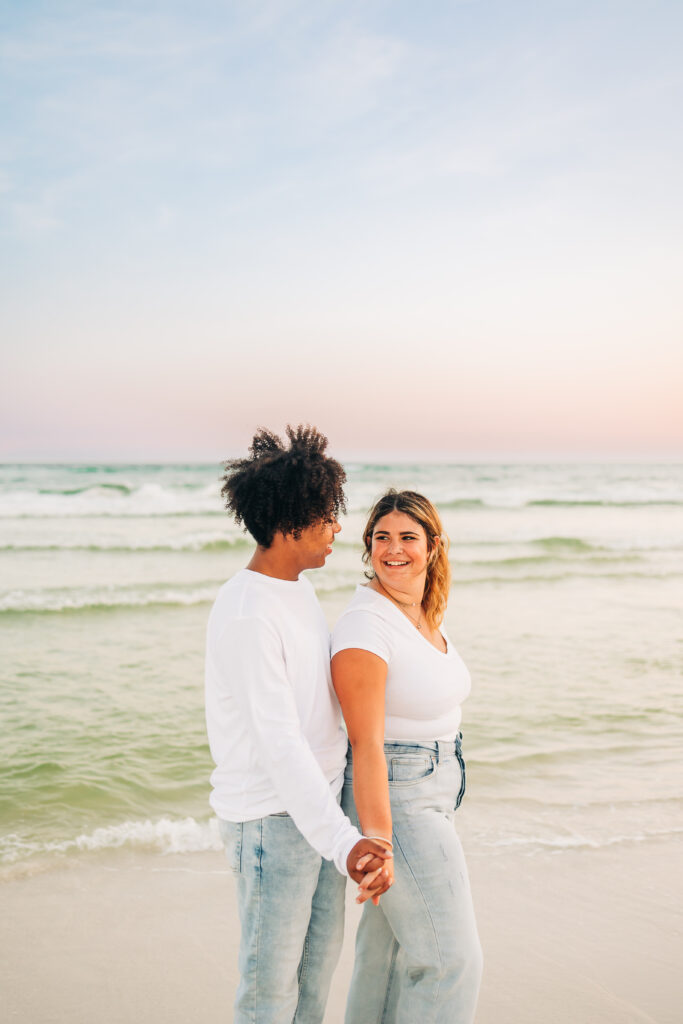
column 399, row 550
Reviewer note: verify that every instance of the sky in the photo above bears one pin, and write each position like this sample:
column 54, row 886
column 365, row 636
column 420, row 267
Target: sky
column 438, row 230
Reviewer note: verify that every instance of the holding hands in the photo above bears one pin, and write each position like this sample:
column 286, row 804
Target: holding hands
column 371, row 864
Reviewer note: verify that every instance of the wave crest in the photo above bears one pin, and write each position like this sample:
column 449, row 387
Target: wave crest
column 165, row 835
column 50, row 601
column 106, row 500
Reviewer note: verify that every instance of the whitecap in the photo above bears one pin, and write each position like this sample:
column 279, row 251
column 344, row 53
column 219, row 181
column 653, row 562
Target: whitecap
column 165, row 835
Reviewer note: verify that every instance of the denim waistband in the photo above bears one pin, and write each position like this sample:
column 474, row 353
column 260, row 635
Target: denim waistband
column 439, row 749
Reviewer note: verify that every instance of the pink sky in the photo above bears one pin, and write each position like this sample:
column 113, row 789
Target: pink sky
column 439, row 233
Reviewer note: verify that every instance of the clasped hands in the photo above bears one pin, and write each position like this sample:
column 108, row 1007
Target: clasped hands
column 371, row 864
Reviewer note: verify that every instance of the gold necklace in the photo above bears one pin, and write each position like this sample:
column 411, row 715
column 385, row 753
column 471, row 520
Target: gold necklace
column 403, row 605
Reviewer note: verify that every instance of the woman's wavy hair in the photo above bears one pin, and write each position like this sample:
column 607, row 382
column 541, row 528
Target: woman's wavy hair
column 419, row 508
column 284, row 488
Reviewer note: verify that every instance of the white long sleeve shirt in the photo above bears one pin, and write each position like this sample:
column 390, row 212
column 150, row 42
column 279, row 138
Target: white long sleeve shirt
column 273, row 719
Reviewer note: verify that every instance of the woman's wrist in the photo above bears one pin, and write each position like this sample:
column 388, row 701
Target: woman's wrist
column 379, row 839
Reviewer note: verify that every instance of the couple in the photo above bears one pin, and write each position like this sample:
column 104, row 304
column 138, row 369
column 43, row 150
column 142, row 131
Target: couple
column 297, row 815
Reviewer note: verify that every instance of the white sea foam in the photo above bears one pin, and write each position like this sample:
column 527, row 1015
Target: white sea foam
column 166, row 835
column 149, row 499
column 187, row 835
column 80, row 599
column 66, row 491
column 576, row 841
column 214, row 540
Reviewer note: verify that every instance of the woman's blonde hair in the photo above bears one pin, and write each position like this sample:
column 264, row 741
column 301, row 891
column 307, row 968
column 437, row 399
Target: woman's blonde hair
column 419, row 508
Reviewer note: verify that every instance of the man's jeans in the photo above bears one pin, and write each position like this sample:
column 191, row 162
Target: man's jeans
column 291, row 908
column 418, row 957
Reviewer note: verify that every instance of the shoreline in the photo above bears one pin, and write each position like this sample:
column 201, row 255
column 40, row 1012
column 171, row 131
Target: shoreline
column 588, row 935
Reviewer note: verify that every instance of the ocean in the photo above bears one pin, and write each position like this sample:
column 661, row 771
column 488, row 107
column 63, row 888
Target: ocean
column 567, row 605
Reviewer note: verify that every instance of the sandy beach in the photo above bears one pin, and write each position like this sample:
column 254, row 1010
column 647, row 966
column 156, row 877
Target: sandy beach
column 587, row 936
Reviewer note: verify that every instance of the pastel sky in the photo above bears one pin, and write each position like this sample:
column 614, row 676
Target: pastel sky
column 448, row 229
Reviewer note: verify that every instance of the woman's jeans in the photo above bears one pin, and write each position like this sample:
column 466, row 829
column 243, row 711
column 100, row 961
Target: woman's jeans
column 291, row 908
column 418, row 956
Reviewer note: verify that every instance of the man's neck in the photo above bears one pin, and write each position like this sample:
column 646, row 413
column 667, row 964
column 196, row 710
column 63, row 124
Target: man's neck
column 278, row 561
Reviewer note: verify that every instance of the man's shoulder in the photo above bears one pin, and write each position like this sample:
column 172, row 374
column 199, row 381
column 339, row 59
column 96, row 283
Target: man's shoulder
column 251, row 608
column 233, row 588
column 250, row 594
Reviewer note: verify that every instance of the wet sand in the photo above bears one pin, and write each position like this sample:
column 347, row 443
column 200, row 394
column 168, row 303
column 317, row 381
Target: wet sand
column 590, row 936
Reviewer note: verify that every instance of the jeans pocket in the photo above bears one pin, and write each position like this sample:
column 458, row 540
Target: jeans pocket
column 231, row 834
column 407, row 769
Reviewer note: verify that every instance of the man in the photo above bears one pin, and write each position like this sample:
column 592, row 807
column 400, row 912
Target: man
column 276, row 735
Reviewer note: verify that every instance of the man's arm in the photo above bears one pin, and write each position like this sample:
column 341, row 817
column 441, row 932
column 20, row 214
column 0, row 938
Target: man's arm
column 249, row 652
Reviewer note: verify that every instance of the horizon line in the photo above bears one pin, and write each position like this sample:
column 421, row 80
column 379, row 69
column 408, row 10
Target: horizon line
column 379, row 460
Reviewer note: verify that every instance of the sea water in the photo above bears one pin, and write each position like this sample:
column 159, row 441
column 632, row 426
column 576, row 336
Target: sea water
column 567, row 605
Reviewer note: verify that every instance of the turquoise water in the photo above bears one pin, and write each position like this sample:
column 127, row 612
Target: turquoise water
column 567, row 605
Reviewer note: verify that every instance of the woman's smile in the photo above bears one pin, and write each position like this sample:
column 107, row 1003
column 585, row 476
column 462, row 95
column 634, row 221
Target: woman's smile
column 399, row 547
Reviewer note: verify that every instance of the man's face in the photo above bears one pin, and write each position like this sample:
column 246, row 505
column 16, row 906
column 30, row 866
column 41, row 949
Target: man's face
column 315, row 543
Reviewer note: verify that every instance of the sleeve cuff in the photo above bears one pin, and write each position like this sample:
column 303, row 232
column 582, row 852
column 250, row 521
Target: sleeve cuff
column 353, row 836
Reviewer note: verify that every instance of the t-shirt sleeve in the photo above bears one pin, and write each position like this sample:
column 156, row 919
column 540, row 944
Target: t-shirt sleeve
column 363, row 629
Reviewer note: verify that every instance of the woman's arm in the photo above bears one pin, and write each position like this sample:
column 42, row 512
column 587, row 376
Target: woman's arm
column 359, row 679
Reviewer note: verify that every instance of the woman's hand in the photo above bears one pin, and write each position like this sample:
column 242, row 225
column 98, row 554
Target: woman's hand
column 376, row 882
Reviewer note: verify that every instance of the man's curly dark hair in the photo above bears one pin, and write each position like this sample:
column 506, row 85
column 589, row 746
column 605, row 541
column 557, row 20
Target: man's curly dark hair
column 279, row 488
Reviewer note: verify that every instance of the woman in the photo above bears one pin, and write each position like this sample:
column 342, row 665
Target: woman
column 400, row 683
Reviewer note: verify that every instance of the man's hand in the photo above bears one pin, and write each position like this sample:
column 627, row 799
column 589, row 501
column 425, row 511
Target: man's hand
column 370, row 864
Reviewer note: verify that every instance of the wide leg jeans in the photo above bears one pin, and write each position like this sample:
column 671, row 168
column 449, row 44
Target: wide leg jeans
column 418, row 956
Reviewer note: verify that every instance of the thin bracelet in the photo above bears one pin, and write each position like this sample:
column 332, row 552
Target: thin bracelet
column 381, row 839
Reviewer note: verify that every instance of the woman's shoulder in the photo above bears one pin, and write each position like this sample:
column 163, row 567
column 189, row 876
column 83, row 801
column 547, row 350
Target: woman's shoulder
column 366, row 602
column 363, row 624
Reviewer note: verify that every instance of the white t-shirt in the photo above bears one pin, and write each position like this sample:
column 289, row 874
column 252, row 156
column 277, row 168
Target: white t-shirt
column 425, row 687
column 273, row 719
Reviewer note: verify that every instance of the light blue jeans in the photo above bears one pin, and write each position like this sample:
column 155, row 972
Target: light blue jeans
column 291, row 909
column 418, row 956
